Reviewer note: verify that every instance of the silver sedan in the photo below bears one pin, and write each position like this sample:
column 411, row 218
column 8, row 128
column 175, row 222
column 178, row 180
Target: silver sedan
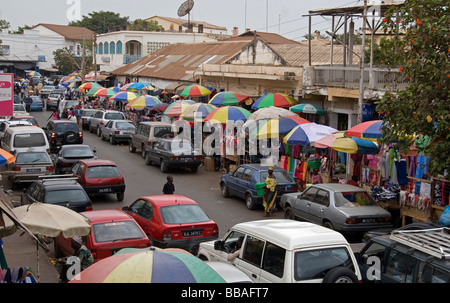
column 341, row 207
column 117, row 131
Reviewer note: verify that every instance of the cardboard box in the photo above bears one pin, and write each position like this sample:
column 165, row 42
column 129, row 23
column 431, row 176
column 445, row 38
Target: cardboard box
column 209, row 164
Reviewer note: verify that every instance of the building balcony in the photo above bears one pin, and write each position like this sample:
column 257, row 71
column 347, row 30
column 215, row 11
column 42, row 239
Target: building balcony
column 127, row 59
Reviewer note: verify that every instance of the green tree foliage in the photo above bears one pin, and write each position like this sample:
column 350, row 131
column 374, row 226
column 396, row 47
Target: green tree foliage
column 421, row 55
column 67, row 62
column 141, row 25
column 102, row 22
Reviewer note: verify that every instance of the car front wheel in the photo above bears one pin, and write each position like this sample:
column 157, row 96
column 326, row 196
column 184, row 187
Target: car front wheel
column 224, row 189
column 120, row 196
column 163, row 166
column 288, row 213
column 131, row 148
column 250, row 202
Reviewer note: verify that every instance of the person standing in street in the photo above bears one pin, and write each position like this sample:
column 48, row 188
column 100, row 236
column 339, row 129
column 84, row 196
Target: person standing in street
column 169, row 187
column 78, row 115
column 270, row 195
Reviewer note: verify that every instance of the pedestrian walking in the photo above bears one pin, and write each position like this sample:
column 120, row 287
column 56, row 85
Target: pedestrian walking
column 169, row 187
column 78, row 115
column 270, row 195
column 54, row 115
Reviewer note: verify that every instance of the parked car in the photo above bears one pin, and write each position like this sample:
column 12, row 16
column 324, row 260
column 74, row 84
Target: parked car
column 19, row 109
column 147, row 133
column 24, row 138
column 173, row 153
column 112, row 230
column 28, row 118
column 37, row 106
column 343, row 207
column 117, row 131
column 4, row 125
column 173, row 221
column 69, row 154
column 100, row 118
column 28, row 101
column 46, row 90
column 61, row 191
column 86, row 115
column 99, row 177
column 29, row 165
column 286, row 251
column 53, row 99
column 407, row 256
column 242, row 181
column 229, row 272
column 62, row 132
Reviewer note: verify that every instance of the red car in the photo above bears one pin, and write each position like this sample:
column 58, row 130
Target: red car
column 112, row 230
column 30, row 119
column 100, row 177
column 173, row 221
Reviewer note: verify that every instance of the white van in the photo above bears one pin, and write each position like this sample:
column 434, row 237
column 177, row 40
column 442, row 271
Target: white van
column 286, row 251
column 25, row 138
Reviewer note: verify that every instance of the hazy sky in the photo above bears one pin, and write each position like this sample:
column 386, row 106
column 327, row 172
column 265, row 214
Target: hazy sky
column 284, row 16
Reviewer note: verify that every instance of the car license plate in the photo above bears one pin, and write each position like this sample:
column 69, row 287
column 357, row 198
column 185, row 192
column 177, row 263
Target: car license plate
column 192, row 233
column 368, row 220
column 105, row 190
column 33, row 170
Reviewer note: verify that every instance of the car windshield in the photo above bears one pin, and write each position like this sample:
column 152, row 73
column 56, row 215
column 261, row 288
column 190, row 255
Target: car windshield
column 183, row 214
column 27, row 140
column 32, row 157
column 281, row 176
column 64, row 127
column 54, row 95
column 102, row 171
column 353, row 199
column 19, row 108
column 124, row 125
column 116, row 231
column 314, row 264
column 77, row 152
column 114, row 116
column 69, row 195
column 88, row 113
column 179, row 147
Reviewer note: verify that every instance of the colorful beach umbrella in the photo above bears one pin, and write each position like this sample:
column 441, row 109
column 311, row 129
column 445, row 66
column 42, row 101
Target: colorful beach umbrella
column 142, row 102
column 195, row 91
column 124, row 96
column 370, row 130
column 104, row 92
column 227, row 98
column 91, row 75
column 89, row 85
column 228, row 113
column 308, row 133
column 34, row 74
column 307, row 108
column 280, row 126
column 92, row 91
column 6, row 157
column 201, row 110
column 177, row 108
column 277, row 100
column 327, row 141
column 354, row 145
column 149, row 266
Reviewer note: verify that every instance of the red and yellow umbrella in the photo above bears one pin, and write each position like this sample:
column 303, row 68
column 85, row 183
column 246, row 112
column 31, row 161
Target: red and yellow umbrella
column 277, row 100
column 104, row 92
column 124, row 96
column 195, row 91
column 228, row 113
column 177, row 108
column 142, row 102
column 89, row 85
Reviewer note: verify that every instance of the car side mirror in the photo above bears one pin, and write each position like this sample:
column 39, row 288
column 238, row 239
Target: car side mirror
column 299, row 196
column 218, row 245
column 125, row 208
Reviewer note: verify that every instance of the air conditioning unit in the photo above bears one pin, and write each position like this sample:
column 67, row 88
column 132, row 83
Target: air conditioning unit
column 289, row 75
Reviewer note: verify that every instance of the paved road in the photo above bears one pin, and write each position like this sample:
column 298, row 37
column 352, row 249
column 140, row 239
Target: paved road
column 142, row 180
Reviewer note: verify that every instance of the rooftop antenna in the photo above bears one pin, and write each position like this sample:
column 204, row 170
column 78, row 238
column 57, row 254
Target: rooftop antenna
column 185, row 9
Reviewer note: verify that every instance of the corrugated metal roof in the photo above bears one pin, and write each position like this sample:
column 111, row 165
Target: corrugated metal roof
column 69, row 32
column 179, row 61
column 268, row 38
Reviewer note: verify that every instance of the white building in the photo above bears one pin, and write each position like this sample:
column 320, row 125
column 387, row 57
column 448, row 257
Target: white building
column 117, row 49
column 34, row 48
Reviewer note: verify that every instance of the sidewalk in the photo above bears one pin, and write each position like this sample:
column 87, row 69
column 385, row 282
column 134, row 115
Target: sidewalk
column 20, row 251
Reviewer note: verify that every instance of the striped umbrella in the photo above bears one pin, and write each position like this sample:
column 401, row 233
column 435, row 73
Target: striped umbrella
column 177, row 108
column 6, row 157
column 89, row 85
column 197, row 109
column 227, row 98
column 92, row 91
column 228, row 113
column 195, row 91
column 307, row 109
column 149, row 266
column 280, row 125
column 142, row 102
column 277, row 100
column 104, row 92
column 370, row 130
column 91, row 75
column 34, row 74
column 305, row 134
column 124, row 96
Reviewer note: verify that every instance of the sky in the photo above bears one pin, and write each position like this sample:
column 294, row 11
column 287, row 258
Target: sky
column 284, row 17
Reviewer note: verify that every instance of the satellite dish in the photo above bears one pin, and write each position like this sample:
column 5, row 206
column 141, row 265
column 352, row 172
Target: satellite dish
column 185, row 8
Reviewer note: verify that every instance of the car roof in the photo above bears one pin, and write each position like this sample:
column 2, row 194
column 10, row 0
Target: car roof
column 339, row 187
column 262, row 167
column 166, row 200
column 291, row 234
column 63, row 121
column 25, row 129
column 97, row 162
column 106, row 215
column 155, row 123
column 68, row 146
column 60, row 184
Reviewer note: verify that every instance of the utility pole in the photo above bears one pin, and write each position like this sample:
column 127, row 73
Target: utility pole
column 361, row 80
